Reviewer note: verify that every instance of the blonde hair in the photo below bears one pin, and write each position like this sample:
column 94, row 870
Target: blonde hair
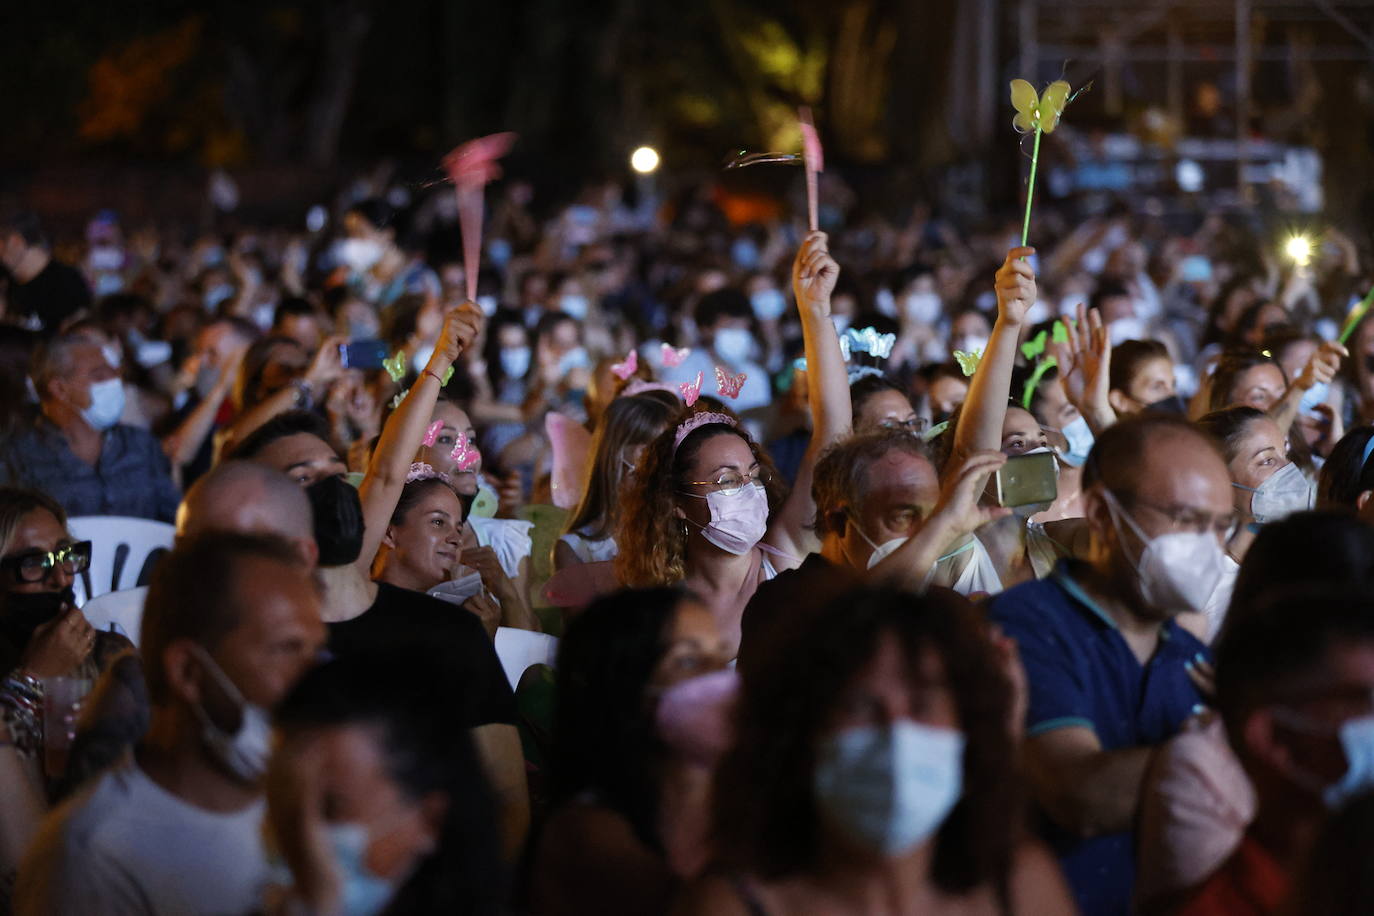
column 17, row 502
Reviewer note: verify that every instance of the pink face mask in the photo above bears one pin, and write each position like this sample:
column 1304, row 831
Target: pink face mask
column 738, row 520
column 695, row 717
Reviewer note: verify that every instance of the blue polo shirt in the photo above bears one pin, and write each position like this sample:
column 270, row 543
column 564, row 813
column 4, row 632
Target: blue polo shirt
column 1080, row 672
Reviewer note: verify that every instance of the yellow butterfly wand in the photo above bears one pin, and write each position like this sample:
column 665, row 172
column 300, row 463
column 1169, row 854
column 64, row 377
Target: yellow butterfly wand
column 1039, row 113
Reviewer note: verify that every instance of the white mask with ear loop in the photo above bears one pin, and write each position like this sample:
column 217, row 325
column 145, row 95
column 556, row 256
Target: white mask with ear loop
column 1179, row 570
column 245, row 752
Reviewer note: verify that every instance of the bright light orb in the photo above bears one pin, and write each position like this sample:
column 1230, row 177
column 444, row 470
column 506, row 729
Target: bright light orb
column 644, row 160
column 1299, row 248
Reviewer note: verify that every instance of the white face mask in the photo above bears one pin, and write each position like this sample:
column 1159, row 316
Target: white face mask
column 107, row 404
column 245, row 752
column 515, row 361
column 922, row 308
column 1080, row 439
column 769, row 304
column 1124, row 329
column 1178, row 571
column 488, row 305
column 733, row 345
column 884, row 550
column 969, row 343
column 889, row 788
column 1282, row 493
column 574, row 305
column 420, row 360
column 1314, row 396
column 738, row 520
column 841, row 323
column 358, row 255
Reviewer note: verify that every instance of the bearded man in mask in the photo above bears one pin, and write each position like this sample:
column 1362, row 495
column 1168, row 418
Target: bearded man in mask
column 231, row 622
column 1107, row 665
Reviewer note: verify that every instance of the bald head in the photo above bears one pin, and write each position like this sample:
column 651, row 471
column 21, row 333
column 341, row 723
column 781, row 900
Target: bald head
column 244, row 497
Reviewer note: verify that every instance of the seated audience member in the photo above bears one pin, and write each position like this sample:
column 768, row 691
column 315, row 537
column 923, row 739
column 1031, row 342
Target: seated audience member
column 644, row 698
column 1295, row 688
column 1142, row 379
column 705, row 510
column 422, row 549
column 1266, row 487
column 877, row 402
column 1104, row 656
column 42, row 635
column 376, row 802
column 1198, row 801
column 231, row 622
column 508, row 537
column 874, row 771
column 625, row 430
column 300, row 321
column 42, row 290
column 77, row 451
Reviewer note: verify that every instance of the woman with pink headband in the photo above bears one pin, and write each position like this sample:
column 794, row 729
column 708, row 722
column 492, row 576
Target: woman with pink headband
column 707, row 509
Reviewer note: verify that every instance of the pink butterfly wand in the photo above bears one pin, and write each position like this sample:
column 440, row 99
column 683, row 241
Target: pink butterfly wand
column 471, row 166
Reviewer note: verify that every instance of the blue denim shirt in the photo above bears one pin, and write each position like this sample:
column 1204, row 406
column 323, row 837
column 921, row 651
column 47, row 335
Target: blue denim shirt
column 132, row 476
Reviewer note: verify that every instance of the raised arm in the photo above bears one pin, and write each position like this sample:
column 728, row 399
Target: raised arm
column 1321, row 368
column 1085, row 362
column 311, row 388
column 405, row 428
column 814, row 274
column 985, row 408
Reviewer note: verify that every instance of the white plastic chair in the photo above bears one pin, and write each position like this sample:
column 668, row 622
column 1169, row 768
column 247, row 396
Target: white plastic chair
column 121, row 612
column 121, row 549
column 519, row 650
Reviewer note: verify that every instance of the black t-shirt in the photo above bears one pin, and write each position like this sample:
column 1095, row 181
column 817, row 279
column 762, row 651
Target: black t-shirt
column 58, row 292
column 413, row 621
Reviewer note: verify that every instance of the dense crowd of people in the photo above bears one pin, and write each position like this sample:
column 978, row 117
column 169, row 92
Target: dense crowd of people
column 894, row 569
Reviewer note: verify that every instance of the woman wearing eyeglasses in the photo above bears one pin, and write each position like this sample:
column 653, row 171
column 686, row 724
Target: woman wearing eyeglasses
column 706, row 509
column 42, row 635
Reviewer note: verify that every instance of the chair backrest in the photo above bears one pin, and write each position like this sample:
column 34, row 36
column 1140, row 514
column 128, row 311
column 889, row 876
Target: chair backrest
column 121, row 612
column 123, row 551
column 521, row 649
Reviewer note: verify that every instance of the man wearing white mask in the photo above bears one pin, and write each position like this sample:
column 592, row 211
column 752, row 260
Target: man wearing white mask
column 77, row 451
column 1107, row 665
column 231, row 622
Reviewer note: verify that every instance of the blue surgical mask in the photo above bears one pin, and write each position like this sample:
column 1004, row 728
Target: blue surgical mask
column 1314, row 396
column 362, row 893
column 515, row 361
column 574, row 305
column 576, row 358
column 889, row 787
column 1357, row 740
column 769, row 304
column 734, row 345
column 1080, row 439
column 107, row 404
column 217, row 294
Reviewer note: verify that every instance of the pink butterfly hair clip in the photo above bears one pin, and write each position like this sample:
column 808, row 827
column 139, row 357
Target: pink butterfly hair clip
column 628, row 368
column 465, row 455
column 421, row 471
column 673, row 357
column 432, row 433
column 691, row 390
column 729, row 385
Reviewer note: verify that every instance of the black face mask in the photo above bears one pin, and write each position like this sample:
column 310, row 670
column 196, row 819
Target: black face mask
column 1172, row 404
column 1369, row 362
column 25, row 612
column 338, row 520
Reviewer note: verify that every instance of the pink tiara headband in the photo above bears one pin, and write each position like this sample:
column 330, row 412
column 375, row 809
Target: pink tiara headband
column 422, row 471
column 697, row 420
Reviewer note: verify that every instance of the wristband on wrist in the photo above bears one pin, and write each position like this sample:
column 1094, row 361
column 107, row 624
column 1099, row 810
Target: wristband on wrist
column 434, row 375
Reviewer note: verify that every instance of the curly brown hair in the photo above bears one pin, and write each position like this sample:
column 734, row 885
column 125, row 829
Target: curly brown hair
column 651, row 538
column 766, row 819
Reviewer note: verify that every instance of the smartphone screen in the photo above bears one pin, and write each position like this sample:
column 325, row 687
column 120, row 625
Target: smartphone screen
column 1026, row 480
column 363, row 354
